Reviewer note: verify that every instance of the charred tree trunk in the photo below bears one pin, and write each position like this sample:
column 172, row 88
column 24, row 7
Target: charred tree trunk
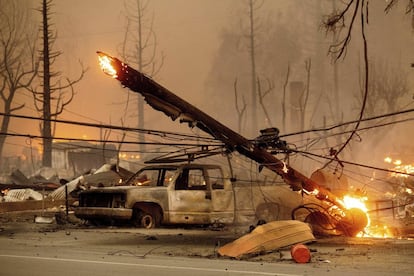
column 58, row 91
column 141, row 119
column 253, row 69
column 140, row 47
column 47, row 129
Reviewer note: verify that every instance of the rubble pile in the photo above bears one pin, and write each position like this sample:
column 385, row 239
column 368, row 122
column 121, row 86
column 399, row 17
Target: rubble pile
column 21, row 194
column 45, row 184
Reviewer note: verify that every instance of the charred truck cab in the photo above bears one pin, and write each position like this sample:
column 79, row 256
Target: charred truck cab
column 163, row 194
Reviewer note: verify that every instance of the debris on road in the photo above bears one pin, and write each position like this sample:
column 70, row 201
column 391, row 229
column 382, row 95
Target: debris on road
column 21, row 195
column 45, row 220
column 268, row 237
column 45, row 190
column 300, row 253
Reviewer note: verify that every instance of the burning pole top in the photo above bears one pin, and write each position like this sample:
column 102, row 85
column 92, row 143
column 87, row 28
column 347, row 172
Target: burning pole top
column 173, row 106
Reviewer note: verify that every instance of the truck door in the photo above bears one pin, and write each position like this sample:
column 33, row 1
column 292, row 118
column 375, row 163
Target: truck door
column 190, row 199
column 222, row 197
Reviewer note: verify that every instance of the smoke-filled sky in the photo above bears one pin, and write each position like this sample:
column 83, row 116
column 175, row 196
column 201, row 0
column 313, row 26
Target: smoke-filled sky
column 189, row 34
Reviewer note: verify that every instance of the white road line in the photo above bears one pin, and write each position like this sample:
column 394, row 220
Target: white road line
column 148, row 265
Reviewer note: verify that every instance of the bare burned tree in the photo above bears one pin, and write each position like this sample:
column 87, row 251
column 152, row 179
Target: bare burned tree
column 303, row 101
column 253, row 6
column 285, row 83
column 18, row 63
column 140, row 48
column 388, row 89
column 55, row 91
column 344, row 19
column 262, row 95
column 251, row 32
column 409, row 8
column 240, row 110
column 336, row 23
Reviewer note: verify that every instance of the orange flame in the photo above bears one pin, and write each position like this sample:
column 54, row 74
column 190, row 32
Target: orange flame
column 105, row 62
column 400, row 169
column 376, row 231
column 353, row 202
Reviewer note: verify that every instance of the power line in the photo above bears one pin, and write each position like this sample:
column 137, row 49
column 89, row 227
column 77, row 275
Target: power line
column 163, row 134
column 80, row 115
column 348, row 123
column 104, row 141
column 361, row 129
column 357, row 179
column 353, row 163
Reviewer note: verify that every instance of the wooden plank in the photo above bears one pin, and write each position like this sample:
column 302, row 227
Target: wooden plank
column 32, row 205
column 268, row 237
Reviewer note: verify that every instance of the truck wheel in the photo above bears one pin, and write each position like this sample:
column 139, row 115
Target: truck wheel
column 147, row 220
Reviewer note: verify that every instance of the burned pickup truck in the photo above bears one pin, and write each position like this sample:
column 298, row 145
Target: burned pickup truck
column 197, row 194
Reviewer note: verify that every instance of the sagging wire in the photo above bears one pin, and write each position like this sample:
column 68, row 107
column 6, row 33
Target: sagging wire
column 356, row 164
column 343, row 169
column 325, row 129
column 317, row 215
column 356, row 173
column 350, row 131
column 99, row 140
column 162, row 134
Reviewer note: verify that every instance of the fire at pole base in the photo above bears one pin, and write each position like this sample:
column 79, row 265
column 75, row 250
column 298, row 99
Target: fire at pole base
column 346, row 222
column 358, row 221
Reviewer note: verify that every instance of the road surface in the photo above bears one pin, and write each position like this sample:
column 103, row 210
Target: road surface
column 27, row 248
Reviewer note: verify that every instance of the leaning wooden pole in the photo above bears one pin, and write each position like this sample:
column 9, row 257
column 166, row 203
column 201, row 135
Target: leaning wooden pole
column 173, row 106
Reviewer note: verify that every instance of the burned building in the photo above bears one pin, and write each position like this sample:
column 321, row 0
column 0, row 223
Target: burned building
column 79, row 157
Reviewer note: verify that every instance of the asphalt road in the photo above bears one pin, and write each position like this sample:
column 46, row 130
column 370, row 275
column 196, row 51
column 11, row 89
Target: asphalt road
column 32, row 249
column 79, row 264
column 154, row 265
column 51, row 254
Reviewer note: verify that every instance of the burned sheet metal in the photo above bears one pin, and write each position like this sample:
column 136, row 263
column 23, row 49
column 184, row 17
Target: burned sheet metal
column 21, row 195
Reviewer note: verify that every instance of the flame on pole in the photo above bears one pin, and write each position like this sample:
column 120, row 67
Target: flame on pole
column 107, row 64
column 350, row 222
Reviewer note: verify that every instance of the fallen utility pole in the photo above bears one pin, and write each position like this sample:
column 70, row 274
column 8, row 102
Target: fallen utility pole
column 351, row 222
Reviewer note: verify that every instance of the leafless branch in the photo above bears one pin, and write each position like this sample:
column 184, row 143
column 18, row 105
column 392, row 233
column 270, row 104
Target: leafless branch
column 335, row 153
column 308, row 66
column 409, row 9
column 284, row 97
column 240, row 111
column 18, row 65
column 262, row 95
column 336, row 21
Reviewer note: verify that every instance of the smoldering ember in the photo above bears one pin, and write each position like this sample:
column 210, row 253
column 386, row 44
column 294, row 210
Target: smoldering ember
column 294, row 157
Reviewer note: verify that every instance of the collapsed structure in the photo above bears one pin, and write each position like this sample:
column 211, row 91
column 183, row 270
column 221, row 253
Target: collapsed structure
column 332, row 212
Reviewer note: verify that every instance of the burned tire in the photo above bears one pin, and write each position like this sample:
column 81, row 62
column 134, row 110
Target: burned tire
column 147, row 215
column 147, row 220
